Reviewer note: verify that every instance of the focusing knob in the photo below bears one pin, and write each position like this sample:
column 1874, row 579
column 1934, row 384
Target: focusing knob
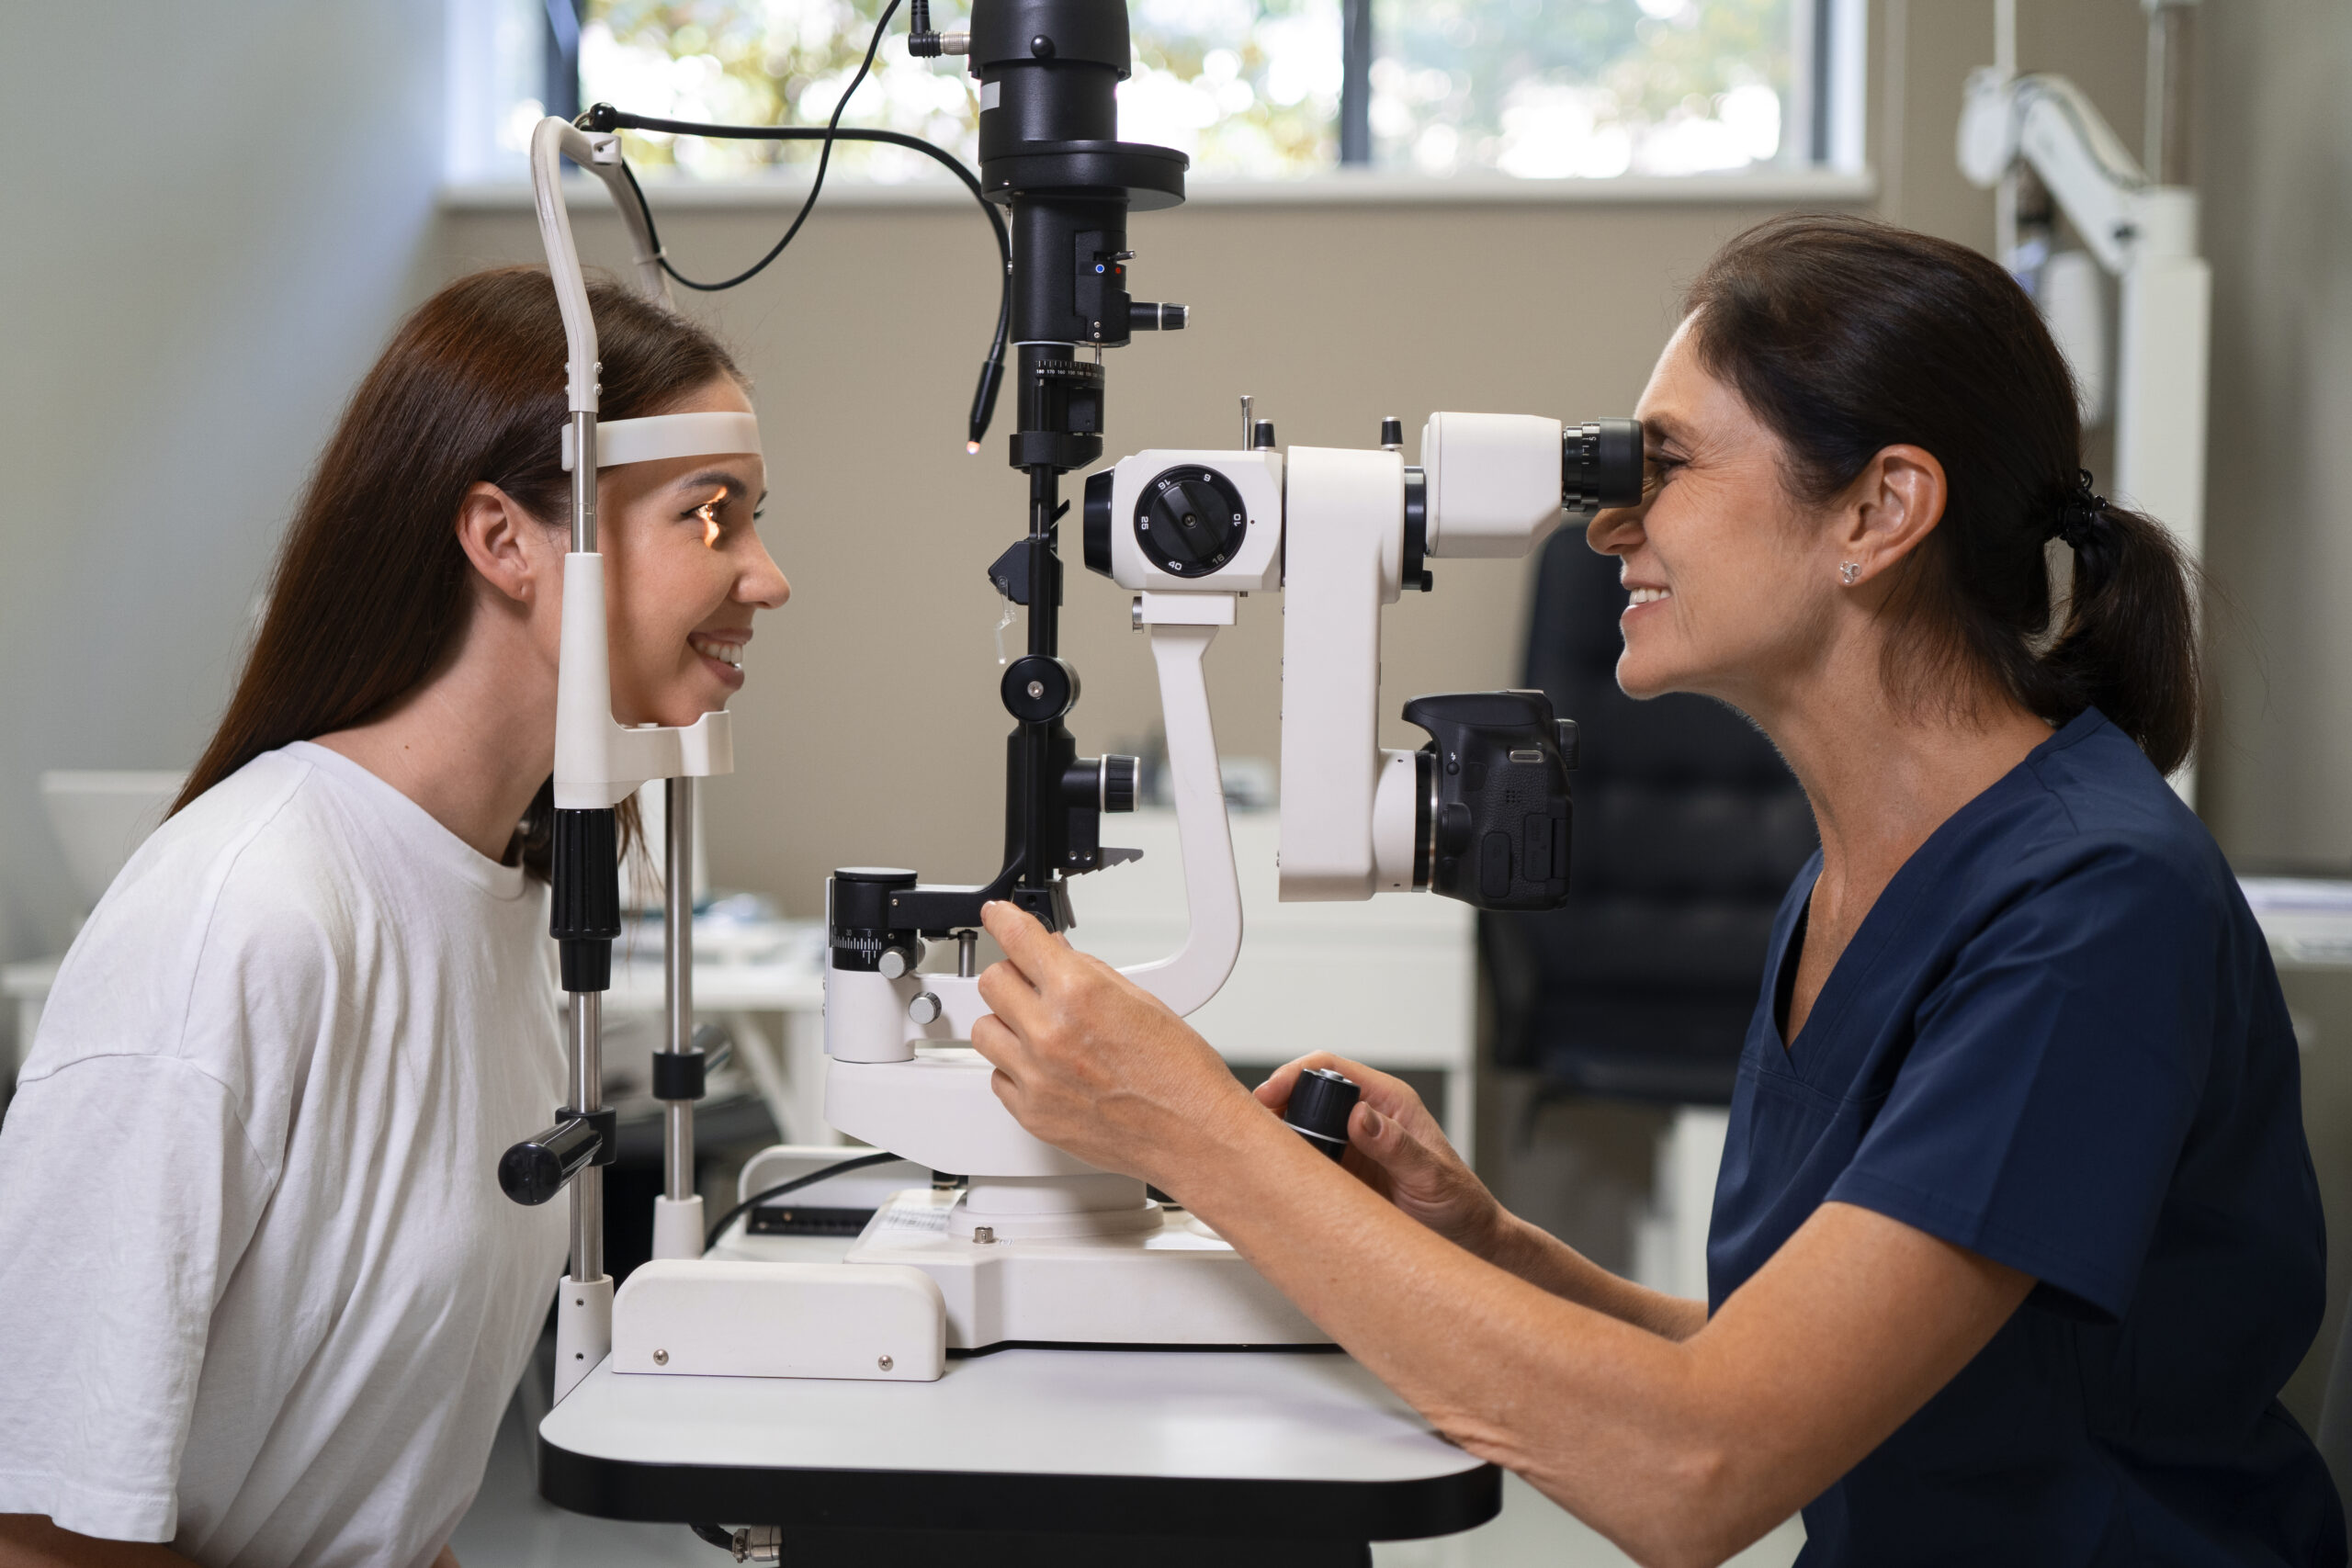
column 1320, row 1103
column 1190, row 521
column 1119, row 783
column 924, row 1009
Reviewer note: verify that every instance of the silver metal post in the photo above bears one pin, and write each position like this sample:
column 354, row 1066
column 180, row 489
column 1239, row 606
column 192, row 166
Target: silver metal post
column 678, row 978
column 2171, row 38
column 967, row 947
column 583, row 483
column 588, row 1094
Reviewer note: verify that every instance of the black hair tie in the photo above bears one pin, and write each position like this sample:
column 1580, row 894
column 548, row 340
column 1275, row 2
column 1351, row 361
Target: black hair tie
column 2083, row 522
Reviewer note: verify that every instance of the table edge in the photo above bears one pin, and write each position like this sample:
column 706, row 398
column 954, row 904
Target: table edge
column 1212, row 1508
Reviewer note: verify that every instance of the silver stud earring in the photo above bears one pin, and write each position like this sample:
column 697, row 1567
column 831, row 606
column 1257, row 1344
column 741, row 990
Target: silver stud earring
column 1850, row 571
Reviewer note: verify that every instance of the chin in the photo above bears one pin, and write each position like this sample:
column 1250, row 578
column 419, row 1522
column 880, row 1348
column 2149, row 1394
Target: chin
column 1640, row 678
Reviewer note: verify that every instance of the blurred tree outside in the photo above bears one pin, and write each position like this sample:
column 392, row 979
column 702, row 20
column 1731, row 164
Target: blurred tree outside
column 1249, row 88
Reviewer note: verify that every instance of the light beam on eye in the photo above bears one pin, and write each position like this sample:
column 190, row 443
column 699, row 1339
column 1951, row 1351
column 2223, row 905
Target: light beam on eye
column 707, row 513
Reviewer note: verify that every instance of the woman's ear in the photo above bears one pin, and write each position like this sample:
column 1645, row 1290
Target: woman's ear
column 497, row 535
column 1895, row 504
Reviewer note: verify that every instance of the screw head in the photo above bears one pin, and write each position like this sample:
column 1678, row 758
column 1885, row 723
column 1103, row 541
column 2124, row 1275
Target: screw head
column 884, row 1362
column 660, row 1358
column 1036, row 688
column 984, row 1235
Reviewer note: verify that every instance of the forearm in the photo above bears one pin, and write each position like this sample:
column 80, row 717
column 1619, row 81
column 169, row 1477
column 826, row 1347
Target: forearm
column 31, row 1541
column 1605, row 1416
column 1550, row 1264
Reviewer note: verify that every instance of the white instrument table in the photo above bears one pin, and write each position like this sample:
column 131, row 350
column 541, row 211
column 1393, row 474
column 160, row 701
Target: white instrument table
column 1028, row 1456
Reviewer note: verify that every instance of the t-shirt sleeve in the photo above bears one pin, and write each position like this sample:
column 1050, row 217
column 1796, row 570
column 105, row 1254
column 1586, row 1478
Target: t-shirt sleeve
column 2052, row 1080
column 132, row 1189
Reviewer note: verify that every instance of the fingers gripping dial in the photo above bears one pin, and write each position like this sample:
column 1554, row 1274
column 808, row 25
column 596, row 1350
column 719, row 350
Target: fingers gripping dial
column 1190, row 521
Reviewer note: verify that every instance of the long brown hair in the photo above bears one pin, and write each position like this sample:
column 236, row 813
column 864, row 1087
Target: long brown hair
column 370, row 591
column 1847, row 336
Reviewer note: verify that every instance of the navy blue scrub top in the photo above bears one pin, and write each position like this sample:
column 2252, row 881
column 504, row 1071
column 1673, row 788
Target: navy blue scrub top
column 2057, row 1040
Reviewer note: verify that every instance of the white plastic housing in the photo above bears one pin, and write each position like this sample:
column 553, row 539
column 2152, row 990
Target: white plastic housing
column 1494, row 482
column 677, row 1227
column 939, row 1109
column 1166, row 1283
column 583, row 1330
column 553, row 139
column 1256, row 477
column 712, row 1318
column 1343, row 561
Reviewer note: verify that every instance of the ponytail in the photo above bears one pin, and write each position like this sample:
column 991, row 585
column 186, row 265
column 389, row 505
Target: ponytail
column 2129, row 645
column 1848, row 336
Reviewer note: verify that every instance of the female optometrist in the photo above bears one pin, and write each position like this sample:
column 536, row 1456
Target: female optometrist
column 2016, row 1236
column 261, row 1297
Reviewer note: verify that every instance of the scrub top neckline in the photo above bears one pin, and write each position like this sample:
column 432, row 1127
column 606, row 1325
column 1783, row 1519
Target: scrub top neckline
column 1892, row 908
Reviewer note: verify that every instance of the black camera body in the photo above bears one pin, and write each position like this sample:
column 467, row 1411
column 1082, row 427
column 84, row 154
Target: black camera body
column 1495, row 806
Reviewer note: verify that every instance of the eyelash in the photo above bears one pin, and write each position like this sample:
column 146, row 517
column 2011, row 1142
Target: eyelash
column 1655, row 471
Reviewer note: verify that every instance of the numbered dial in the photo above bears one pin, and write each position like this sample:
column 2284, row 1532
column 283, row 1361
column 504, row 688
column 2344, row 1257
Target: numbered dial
column 1190, row 521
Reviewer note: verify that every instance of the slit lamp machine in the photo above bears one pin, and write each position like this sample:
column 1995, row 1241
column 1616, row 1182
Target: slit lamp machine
column 1036, row 1247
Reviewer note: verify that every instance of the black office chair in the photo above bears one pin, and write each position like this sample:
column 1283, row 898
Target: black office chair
column 1688, row 830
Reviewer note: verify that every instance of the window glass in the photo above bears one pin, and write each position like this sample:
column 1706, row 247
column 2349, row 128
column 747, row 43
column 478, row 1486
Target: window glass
column 1547, row 88
column 1250, row 88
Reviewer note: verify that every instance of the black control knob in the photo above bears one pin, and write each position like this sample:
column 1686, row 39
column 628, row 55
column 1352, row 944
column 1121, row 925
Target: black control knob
column 1320, row 1103
column 1119, row 783
column 1191, row 521
column 1038, row 687
column 535, row 1169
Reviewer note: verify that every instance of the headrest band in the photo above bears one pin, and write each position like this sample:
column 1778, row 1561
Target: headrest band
column 662, row 436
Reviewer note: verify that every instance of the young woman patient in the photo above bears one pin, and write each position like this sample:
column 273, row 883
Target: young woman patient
column 265, row 1302
column 2016, row 1236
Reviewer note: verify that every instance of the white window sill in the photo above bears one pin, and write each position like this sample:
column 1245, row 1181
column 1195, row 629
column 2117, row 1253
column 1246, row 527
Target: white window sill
column 1766, row 188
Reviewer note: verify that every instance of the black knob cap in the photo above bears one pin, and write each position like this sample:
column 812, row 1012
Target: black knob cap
column 1320, row 1103
column 535, row 1170
column 1119, row 783
column 1096, row 520
column 1038, row 687
column 1262, row 438
column 1191, row 521
column 1392, row 431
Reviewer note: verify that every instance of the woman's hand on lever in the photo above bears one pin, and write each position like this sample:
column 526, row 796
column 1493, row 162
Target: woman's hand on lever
column 1092, row 1063
column 1396, row 1148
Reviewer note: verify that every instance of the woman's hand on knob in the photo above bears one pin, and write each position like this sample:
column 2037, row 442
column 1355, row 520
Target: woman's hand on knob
column 1395, row 1147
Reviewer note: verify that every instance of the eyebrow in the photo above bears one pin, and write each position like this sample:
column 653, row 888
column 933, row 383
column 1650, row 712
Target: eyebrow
column 731, row 482
column 1665, row 428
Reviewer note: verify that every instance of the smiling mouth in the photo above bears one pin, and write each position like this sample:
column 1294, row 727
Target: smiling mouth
column 728, row 654
column 1648, row 595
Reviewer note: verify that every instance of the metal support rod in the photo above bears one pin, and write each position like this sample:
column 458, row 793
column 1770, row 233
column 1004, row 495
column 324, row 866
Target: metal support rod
column 583, row 483
column 1355, row 82
column 2171, row 47
column 678, row 978
column 1044, row 637
column 968, row 949
column 587, row 1188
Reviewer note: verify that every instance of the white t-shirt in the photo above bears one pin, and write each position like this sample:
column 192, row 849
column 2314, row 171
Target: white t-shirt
column 260, row 1294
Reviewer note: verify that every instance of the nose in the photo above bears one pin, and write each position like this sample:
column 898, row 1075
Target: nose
column 1616, row 530
column 762, row 583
